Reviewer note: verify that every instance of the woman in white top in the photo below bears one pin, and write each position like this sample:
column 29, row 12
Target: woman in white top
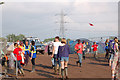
column 56, row 44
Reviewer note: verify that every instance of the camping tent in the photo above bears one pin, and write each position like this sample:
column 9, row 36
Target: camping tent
column 101, row 46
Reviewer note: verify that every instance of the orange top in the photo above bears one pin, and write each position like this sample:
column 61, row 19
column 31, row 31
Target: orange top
column 6, row 57
column 22, row 49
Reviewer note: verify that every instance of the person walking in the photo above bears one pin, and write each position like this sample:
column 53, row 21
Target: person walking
column 63, row 54
column 17, row 52
column 26, row 49
column 79, row 49
column 84, row 49
column 50, row 49
column 112, row 52
column 33, row 55
column 56, row 44
column 95, row 49
column 107, row 48
column 115, row 60
column 88, row 47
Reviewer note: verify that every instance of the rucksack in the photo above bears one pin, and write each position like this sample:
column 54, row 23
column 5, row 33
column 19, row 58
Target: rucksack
column 111, row 46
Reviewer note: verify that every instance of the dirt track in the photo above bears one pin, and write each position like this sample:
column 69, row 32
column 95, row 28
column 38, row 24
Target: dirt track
column 91, row 68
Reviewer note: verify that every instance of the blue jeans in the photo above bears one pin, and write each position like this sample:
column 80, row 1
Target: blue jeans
column 95, row 54
column 18, row 64
column 83, row 54
column 64, row 59
column 111, row 57
column 55, row 60
column 80, row 57
column 52, row 61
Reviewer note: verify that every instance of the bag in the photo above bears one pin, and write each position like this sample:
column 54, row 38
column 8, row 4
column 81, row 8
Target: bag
column 22, row 58
column 3, row 61
column 63, row 48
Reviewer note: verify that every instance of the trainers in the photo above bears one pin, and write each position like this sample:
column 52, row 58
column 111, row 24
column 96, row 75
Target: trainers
column 32, row 71
column 67, row 77
column 77, row 63
column 80, row 64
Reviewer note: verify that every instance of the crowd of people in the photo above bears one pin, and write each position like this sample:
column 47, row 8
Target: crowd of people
column 59, row 51
column 112, row 54
column 22, row 53
column 60, row 54
column 20, row 56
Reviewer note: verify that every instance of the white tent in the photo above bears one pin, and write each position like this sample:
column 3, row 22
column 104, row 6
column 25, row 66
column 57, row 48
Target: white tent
column 11, row 47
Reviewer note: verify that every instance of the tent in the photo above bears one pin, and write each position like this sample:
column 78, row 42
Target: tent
column 101, row 46
column 11, row 47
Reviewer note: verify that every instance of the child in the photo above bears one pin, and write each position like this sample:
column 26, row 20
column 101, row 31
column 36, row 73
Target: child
column 95, row 49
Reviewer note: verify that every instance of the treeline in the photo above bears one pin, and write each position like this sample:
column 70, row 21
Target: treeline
column 14, row 38
column 52, row 39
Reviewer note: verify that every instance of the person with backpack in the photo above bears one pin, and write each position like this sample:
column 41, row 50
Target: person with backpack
column 50, row 50
column 27, row 51
column 33, row 55
column 63, row 54
column 111, row 49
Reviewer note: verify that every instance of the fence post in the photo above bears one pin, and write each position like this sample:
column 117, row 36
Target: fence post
column 16, row 67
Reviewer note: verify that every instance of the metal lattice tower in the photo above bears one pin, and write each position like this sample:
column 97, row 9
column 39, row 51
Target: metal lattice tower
column 62, row 29
column 62, row 22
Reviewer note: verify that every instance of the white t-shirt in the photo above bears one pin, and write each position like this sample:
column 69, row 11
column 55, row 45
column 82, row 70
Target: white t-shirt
column 56, row 45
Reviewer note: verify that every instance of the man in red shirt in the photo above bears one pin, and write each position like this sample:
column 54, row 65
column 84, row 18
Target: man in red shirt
column 95, row 49
column 17, row 52
column 79, row 49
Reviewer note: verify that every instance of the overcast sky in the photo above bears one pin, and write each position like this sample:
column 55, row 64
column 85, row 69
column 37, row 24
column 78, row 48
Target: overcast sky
column 39, row 19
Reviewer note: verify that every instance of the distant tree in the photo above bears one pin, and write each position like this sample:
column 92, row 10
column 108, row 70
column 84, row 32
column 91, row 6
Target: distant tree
column 20, row 37
column 14, row 38
column 68, row 39
column 2, row 39
column 52, row 39
column 11, row 37
column 49, row 39
column 112, row 37
column 1, row 3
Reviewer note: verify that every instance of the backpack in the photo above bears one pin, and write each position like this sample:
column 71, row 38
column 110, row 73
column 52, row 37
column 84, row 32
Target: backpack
column 3, row 61
column 111, row 46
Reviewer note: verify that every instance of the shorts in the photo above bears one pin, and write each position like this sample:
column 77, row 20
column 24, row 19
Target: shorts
column 64, row 59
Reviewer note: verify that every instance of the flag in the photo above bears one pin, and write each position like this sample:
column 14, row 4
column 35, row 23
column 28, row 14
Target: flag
column 91, row 24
